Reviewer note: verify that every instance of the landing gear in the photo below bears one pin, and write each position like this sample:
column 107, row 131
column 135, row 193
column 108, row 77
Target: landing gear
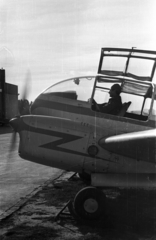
column 86, row 177
column 89, row 203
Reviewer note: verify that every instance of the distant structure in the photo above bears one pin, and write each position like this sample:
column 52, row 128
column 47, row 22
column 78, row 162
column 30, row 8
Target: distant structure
column 8, row 99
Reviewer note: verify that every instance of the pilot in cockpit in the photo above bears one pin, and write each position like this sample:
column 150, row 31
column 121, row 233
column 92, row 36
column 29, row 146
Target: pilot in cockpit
column 114, row 104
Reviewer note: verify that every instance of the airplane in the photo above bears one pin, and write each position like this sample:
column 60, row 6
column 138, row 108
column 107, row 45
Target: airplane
column 65, row 131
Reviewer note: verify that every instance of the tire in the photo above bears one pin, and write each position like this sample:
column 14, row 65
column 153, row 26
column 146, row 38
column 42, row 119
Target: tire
column 89, row 203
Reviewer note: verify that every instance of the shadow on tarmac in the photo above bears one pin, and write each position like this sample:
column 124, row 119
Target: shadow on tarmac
column 5, row 129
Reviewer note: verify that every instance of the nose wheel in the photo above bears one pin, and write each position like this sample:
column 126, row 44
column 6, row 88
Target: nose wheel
column 89, row 203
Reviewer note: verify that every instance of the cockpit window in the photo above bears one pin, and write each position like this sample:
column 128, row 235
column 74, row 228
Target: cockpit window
column 135, row 88
column 76, row 88
column 138, row 94
column 131, row 63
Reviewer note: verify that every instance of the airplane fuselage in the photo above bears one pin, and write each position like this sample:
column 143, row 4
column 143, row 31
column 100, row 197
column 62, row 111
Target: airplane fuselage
column 55, row 144
column 64, row 129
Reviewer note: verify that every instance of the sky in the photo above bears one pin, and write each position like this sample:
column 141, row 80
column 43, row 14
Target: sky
column 55, row 40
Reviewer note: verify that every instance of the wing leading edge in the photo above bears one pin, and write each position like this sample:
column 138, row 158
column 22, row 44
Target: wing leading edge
column 137, row 145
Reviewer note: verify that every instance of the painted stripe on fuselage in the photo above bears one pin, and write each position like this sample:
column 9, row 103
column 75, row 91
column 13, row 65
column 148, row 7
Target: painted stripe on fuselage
column 55, row 145
column 41, row 103
column 65, row 138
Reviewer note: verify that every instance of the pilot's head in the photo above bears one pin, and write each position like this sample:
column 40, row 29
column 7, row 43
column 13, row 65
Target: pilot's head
column 115, row 90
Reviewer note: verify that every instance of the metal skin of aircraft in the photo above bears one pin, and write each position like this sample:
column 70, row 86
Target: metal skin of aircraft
column 64, row 131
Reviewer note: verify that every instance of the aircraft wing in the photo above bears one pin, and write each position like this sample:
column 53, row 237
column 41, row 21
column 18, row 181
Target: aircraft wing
column 137, row 145
column 130, row 136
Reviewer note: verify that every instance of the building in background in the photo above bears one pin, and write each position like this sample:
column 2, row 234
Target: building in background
column 8, row 99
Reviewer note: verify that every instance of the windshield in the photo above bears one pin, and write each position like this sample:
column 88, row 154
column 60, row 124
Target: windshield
column 76, row 88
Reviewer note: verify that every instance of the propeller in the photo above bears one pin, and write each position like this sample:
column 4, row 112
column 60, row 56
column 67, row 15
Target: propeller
column 16, row 122
column 12, row 144
column 27, row 85
column 24, row 104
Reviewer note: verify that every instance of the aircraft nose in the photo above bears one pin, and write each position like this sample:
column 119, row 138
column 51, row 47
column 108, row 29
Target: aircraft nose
column 15, row 123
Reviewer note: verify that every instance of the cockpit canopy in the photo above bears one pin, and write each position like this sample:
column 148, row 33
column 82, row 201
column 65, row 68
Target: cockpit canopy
column 75, row 88
column 132, row 63
column 132, row 69
column 84, row 89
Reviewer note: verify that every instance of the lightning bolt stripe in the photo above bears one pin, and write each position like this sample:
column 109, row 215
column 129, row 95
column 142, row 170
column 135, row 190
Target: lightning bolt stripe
column 55, row 145
column 65, row 138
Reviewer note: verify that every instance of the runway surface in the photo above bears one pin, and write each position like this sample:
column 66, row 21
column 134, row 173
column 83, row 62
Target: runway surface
column 18, row 177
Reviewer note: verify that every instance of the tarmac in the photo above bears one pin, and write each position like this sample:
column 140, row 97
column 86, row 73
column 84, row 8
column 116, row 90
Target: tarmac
column 18, row 177
column 129, row 214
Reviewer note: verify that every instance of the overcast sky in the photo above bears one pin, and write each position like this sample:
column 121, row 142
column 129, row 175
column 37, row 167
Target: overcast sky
column 58, row 39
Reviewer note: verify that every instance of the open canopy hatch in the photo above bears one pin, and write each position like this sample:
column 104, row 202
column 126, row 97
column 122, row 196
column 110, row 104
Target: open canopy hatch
column 131, row 63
